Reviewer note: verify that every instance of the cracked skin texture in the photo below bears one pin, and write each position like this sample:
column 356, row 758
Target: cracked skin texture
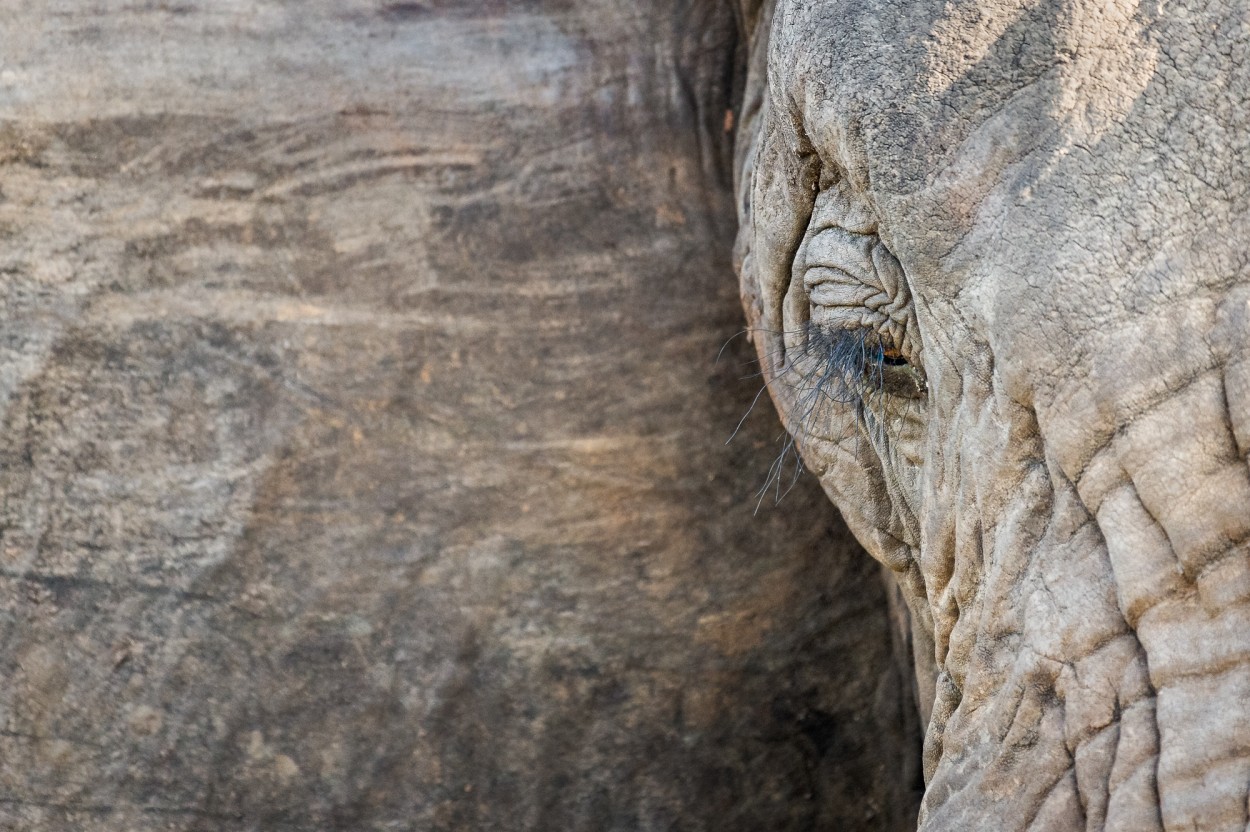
column 1064, row 187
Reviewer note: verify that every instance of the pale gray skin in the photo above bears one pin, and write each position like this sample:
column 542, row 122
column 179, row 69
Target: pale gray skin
column 1048, row 202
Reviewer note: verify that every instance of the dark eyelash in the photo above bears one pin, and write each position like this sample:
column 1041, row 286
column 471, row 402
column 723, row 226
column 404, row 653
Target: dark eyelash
column 844, row 366
column 853, row 366
column 850, row 363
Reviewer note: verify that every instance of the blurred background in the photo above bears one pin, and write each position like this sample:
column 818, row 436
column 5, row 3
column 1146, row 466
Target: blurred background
column 363, row 461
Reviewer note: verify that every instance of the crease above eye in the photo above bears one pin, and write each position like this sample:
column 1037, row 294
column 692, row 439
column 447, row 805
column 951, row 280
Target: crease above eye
column 828, row 286
column 853, row 215
column 842, row 250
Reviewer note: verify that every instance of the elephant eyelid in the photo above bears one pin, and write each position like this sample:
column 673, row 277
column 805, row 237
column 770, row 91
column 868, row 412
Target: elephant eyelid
column 868, row 229
column 853, row 364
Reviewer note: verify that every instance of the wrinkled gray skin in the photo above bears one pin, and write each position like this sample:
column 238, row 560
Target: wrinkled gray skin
column 1043, row 208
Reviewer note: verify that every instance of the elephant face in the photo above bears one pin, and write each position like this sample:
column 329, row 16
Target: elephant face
column 994, row 261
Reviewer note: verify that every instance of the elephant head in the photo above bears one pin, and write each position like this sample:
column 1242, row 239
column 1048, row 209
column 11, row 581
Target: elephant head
column 994, row 259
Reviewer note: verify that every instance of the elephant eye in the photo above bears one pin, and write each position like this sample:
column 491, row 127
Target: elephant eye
column 857, row 364
column 858, row 303
column 891, row 357
column 887, row 371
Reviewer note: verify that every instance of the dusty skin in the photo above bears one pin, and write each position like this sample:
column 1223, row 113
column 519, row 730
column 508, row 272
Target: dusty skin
column 1038, row 212
column 363, row 460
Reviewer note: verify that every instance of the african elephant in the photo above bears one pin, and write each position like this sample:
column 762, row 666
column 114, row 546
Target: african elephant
column 994, row 260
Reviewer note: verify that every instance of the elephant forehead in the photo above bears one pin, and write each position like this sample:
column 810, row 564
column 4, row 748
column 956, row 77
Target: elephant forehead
column 944, row 114
column 1052, row 168
column 1120, row 230
column 905, row 83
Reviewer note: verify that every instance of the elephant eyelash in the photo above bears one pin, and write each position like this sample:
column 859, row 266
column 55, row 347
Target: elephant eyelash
column 845, row 366
column 854, row 367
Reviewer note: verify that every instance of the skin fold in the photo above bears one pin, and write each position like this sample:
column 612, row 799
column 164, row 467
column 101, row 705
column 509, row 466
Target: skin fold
column 1031, row 217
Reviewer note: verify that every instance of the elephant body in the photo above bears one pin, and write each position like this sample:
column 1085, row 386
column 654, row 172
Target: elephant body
column 1037, row 212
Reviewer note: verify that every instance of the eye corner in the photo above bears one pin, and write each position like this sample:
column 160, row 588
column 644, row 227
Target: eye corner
column 892, row 356
column 888, row 370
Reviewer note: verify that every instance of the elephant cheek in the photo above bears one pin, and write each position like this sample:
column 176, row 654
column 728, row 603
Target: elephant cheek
column 1092, row 632
column 1036, row 665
